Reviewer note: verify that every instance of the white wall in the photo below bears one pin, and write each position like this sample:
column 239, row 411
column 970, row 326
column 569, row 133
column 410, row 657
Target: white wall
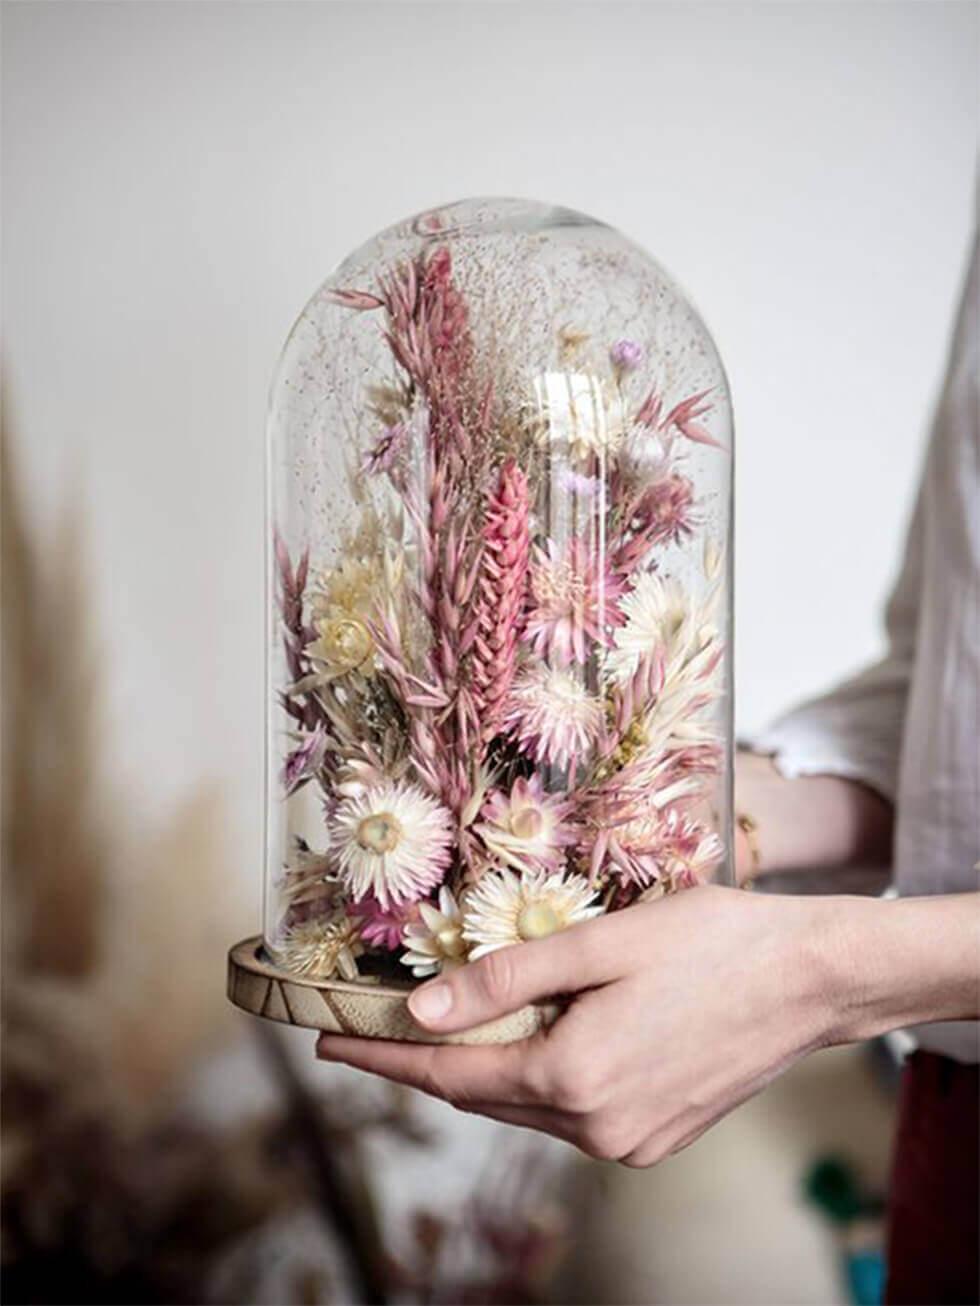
column 178, row 177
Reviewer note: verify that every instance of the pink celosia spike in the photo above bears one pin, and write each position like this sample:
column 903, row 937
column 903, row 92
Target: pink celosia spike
column 500, row 591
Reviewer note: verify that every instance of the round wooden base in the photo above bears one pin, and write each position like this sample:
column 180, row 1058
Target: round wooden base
column 363, row 1009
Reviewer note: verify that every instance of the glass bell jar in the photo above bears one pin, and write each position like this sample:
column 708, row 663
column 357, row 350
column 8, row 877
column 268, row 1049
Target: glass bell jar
column 500, row 464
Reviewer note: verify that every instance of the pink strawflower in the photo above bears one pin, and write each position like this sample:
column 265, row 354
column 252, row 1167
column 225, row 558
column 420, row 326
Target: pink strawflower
column 668, row 849
column 573, row 602
column 526, row 829
column 553, row 717
column 382, row 926
column 498, row 608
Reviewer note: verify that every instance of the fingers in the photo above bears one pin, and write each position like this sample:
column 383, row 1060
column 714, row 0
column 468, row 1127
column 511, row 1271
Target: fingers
column 460, row 1075
column 503, row 981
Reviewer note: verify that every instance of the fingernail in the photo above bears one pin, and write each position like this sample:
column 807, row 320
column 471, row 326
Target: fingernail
column 431, row 1002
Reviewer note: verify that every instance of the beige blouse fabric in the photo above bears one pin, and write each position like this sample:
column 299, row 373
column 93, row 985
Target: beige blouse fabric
column 910, row 725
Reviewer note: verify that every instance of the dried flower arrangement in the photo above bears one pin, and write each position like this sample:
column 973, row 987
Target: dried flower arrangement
column 507, row 685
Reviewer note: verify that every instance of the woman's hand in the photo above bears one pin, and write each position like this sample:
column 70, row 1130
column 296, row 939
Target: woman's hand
column 681, row 1009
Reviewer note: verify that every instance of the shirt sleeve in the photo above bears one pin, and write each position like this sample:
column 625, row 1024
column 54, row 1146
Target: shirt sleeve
column 855, row 730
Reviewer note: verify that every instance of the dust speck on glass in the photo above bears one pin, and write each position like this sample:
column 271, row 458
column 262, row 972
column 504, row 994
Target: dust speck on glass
column 500, row 456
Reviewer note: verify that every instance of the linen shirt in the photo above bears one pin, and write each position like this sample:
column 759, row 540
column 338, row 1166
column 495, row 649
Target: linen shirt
column 909, row 726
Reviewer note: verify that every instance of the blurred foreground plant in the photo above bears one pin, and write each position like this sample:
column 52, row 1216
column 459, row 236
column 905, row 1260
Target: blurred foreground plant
column 112, row 1189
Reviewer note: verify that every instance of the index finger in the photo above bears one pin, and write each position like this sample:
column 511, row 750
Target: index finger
column 501, row 1073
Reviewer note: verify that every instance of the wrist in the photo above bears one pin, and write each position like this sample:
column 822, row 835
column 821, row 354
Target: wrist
column 888, row 963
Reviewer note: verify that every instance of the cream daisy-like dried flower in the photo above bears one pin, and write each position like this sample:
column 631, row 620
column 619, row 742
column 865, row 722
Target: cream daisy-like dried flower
column 343, row 644
column 506, row 908
column 663, row 620
column 342, row 604
column 526, row 829
column 392, row 841
column 435, row 943
column 322, row 947
column 552, row 716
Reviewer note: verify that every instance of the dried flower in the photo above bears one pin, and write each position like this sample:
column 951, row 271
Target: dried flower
column 383, row 926
column 353, row 587
column 500, row 592
column 552, row 716
column 711, row 559
column 435, row 943
column 579, row 485
column 322, row 947
column 626, row 356
column 663, row 619
column 669, row 850
column 387, row 449
column 576, row 410
column 573, row 602
column 505, row 908
column 304, row 761
column 680, row 419
column 526, row 829
column 391, row 841
column 343, row 644
column 341, row 607
column 660, row 512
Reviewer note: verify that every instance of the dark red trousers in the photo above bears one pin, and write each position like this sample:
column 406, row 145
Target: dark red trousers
column 933, row 1209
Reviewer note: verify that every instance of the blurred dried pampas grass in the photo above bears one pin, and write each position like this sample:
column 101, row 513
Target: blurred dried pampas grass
column 108, row 930
column 112, row 980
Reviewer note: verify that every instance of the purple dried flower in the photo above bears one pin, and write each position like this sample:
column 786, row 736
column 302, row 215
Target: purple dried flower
column 303, row 762
column 384, row 453
column 626, row 355
column 577, row 483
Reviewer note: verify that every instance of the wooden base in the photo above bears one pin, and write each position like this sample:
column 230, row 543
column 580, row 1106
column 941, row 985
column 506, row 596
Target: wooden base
column 366, row 1010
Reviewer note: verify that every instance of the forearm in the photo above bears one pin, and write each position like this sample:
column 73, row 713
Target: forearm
column 899, row 962
column 813, row 822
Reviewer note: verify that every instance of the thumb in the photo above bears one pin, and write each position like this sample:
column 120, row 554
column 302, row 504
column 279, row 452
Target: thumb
column 507, row 979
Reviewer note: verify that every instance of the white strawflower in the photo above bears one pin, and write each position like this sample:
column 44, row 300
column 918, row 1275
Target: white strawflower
column 663, row 619
column 552, row 716
column 579, row 411
column 436, row 942
column 504, row 908
column 392, row 841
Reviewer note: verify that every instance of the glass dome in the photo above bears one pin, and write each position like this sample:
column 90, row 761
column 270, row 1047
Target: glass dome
column 500, row 451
